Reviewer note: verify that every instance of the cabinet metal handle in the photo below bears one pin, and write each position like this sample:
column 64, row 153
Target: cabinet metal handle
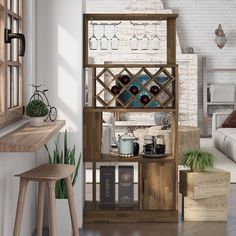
column 9, row 36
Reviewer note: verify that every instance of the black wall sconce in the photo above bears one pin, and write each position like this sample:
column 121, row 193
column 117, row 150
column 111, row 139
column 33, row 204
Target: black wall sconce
column 9, row 36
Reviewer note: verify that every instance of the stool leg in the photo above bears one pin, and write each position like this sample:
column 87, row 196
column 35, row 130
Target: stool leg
column 41, row 193
column 52, row 208
column 72, row 206
column 20, row 206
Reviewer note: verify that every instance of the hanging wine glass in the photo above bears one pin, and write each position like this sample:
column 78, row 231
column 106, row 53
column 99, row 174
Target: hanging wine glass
column 115, row 41
column 93, row 41
column 134, row 41
column 104, row 40
column 145, row 41
column 155, row 41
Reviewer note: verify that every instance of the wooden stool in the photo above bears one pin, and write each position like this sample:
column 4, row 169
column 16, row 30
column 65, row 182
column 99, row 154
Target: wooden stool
column 48, row 173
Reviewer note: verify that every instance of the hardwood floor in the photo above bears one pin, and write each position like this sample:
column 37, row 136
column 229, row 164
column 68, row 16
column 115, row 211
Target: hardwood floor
column 169, row 229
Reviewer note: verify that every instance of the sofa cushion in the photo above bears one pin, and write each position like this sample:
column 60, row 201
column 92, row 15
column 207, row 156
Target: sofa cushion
column 230, row 121
column 230, row 146
column 224, row 140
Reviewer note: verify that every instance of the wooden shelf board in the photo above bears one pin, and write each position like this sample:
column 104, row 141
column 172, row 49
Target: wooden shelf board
column 221, row 103
column 137, row 16
column 221, row 70
column 28, row 138
column 130, row 216
column 140, row 158
column 115, row 109
column 94, row 214
column 137, row 65
column 90, row 206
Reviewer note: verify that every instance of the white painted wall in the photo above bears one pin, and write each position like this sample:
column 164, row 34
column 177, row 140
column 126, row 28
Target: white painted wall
column 15, row 163
column 59, row 67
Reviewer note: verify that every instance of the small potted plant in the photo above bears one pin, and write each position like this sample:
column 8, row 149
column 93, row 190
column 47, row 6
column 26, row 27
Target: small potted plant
column 66, row 156
column 197, row 160
column 36, row 110
column 199, row 166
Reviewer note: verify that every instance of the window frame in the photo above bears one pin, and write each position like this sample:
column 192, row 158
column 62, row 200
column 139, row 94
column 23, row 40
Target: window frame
column 10, row 115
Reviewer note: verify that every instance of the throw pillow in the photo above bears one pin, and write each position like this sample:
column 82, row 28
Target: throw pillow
column 230, row 121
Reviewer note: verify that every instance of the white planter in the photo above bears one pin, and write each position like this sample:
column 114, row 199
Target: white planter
column 37, row 121
column 64, row 227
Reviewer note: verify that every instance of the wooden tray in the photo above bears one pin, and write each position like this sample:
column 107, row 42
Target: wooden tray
column 154, row 155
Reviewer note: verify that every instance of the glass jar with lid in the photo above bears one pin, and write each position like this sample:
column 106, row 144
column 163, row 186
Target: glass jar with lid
column 160, row 145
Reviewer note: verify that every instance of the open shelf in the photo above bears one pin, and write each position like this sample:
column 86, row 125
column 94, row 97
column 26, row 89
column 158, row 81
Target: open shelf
column 29, row 138
column 140, row 158
column 206, row 85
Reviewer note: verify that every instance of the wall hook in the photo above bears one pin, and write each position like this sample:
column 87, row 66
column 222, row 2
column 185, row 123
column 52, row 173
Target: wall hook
column 9, row 36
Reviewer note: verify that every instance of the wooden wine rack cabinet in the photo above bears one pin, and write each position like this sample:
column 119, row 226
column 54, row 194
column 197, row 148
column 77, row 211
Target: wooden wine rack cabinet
column 157, row 178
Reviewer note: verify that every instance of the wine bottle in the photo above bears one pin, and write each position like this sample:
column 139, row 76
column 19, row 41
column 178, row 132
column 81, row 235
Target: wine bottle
column 115, row 90
column 133, row 89
column 125, row 79
column 144, row 99
column 154, row 90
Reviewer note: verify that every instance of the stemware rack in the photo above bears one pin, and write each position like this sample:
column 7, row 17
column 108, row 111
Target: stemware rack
column 157, row 178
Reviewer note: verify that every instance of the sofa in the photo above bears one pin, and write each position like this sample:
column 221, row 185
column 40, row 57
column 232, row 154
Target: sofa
column 224, row 139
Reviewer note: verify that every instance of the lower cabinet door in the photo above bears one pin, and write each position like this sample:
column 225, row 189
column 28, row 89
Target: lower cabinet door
column 157, row 187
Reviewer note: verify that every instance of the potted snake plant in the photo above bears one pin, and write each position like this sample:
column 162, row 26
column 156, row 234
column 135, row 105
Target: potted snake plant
column 65, row 155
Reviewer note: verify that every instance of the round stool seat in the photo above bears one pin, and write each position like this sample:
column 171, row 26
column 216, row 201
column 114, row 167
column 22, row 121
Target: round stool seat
column 49, row 172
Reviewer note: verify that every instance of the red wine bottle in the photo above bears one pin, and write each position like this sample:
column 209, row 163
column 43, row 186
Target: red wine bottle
column 115, row 90
column 125, row 79
column 133, row 89
column 144, row 99
column 154, row 90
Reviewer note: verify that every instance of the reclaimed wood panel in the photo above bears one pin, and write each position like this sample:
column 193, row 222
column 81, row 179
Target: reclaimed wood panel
column 158, row 186
column 29, row 138
column 92, row 129
column 210, row 183
column 209, row 209
column 188, row 139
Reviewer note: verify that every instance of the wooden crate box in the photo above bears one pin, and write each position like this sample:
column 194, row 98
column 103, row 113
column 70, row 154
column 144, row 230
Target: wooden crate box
column 199, row 185
column 210, row 209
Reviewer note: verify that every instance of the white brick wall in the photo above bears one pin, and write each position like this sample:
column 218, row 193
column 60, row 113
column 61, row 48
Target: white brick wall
column 187, row 63
column 196, row 24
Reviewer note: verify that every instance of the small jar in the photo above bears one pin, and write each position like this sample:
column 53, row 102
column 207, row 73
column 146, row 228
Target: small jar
column 149, row 142
column 160, row 145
